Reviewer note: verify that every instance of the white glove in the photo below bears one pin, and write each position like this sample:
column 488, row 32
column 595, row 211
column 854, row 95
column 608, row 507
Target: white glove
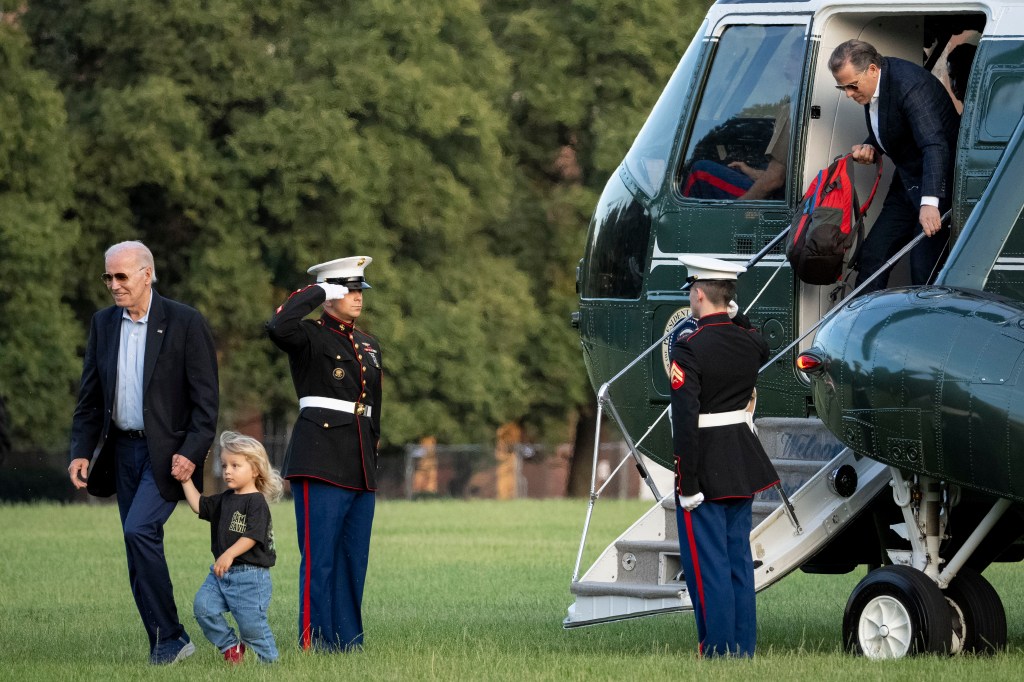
column 733, row 309
column 692, row 502
column 333, row 291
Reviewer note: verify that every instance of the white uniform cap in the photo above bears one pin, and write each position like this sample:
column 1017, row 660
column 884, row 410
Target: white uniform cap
column 704, row 268
column 346, row 271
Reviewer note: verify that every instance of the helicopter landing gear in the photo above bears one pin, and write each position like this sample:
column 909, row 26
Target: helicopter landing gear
column 894, row 612
column 923, row 603
column 979, row 619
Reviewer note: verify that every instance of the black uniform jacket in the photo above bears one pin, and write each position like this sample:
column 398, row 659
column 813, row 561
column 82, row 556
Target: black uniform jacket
column 714, row 369
column 330, row 359
column 179, row 395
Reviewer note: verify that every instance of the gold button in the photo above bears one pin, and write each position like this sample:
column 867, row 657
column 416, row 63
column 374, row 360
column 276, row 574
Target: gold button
column 326, row 425
column 360, row 356
column 364, row 368
column 337, row 357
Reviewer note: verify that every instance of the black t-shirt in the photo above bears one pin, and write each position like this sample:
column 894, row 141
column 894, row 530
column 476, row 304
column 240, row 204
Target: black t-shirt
column 233, row 516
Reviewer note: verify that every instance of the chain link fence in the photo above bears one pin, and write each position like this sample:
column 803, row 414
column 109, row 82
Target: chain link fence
column 413, row 471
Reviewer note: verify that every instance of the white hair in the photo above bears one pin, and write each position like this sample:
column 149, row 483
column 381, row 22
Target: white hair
column 145, row 256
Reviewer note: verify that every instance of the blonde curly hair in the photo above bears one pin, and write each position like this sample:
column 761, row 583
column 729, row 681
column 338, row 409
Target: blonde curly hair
column 268, row 480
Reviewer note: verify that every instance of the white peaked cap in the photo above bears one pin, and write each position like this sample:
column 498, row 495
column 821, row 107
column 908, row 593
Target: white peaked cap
column 704, row 268
column 346, row 271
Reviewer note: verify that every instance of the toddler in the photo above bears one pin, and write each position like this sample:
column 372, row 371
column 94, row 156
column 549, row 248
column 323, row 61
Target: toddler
column 242, row 540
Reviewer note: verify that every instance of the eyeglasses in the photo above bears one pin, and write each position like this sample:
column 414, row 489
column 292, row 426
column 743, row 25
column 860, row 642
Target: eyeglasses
column 119, row 276
column 855, row 85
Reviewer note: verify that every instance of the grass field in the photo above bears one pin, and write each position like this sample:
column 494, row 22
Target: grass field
column 456, row 591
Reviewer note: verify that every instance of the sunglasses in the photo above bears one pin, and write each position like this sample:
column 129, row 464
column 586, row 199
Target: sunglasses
column 119, row 276
column 849, row 87
column 855, row 85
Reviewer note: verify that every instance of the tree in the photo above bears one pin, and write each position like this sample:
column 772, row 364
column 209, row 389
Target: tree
column 38, row 337
column 246, row 141
column 586, row 76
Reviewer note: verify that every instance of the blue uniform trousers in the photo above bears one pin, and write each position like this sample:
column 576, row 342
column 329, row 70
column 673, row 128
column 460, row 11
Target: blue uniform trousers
column 143, row 515
column 334, row 544
column 711, row 180
column 714, row 550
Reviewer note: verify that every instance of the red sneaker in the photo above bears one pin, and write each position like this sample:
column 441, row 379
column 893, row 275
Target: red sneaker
column 235, row 654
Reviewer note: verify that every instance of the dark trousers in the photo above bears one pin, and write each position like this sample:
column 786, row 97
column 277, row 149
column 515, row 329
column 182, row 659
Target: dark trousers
column 714, row 550
column 334, row 545
column 896, row 225
column 143, row 515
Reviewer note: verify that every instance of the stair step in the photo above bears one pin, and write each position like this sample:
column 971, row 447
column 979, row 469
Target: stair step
column 656, row 546
column 636, row 590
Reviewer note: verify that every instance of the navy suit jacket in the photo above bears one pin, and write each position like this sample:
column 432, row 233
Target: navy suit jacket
column 919, row 127
column 179, row 395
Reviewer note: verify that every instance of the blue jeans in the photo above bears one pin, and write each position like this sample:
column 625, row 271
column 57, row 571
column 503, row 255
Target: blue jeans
column 245, row 592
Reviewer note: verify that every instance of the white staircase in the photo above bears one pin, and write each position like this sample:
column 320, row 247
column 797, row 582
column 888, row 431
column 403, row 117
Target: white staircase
column 639, row 573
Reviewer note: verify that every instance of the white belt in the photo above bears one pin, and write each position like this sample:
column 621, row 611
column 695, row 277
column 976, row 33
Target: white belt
column 334, row 404
column 725, row 418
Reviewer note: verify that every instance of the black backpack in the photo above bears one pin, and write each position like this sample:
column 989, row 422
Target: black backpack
column 829, row 219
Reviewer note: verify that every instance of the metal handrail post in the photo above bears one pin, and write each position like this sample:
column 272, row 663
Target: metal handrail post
column 602, row 395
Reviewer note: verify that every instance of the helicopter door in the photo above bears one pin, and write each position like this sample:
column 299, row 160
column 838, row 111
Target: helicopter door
column 734, row 171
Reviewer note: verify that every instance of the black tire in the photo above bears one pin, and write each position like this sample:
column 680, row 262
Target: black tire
column 897, row 611
column 978, row 613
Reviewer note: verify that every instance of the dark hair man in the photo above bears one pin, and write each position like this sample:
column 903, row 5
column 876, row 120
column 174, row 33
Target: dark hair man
column 911, row 118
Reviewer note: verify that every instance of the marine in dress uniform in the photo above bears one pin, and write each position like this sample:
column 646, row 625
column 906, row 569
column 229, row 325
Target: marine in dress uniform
column 719, row 462
column 331, row 460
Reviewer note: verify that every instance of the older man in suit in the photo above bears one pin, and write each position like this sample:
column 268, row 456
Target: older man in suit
column 911, row 118
column 145, row 420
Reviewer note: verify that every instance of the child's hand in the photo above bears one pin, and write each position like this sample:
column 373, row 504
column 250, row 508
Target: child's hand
column 221, row 566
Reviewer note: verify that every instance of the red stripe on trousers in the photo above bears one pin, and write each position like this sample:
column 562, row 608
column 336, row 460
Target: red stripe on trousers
column 696, row 569
column 307, row 634
column 715, row 181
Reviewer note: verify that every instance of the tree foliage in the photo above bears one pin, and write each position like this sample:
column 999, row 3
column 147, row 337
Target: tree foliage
column 461, row 143
column 38, row 337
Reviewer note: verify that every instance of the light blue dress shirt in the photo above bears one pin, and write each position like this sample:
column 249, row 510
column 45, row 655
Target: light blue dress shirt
column 131, row 358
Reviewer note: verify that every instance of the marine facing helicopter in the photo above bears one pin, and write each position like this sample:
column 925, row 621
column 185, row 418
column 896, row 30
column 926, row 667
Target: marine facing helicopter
column 897, row 424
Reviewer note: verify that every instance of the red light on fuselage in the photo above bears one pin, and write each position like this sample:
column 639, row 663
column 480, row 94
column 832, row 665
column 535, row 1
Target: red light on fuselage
column 809, row 362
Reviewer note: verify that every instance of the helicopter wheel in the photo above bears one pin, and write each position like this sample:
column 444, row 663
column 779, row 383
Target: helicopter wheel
column 896, row 611
column 978, row 614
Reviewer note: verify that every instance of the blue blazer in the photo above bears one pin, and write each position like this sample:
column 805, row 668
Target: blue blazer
column 919, row 126
column 179, row 395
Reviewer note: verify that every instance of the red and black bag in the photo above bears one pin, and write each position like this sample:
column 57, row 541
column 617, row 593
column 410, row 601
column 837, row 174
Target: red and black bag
column 829, row 219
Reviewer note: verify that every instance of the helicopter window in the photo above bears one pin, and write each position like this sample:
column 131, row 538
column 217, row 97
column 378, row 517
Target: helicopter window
column 1005, row 102
column 648, row 158
column 739, row 146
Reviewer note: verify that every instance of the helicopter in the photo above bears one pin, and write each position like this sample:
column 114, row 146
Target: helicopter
column 893, row 417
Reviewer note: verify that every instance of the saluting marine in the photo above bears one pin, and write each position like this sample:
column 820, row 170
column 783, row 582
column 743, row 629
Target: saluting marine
column 332, row 455
column 719, row 462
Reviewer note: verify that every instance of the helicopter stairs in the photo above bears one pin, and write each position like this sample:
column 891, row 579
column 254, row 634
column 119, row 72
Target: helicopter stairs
column 639, row 574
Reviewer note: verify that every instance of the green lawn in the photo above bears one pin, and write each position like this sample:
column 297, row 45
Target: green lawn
column 456, row 590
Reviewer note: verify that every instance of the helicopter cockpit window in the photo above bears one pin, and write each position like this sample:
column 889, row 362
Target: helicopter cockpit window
column 739, row 147
column 649, row 156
